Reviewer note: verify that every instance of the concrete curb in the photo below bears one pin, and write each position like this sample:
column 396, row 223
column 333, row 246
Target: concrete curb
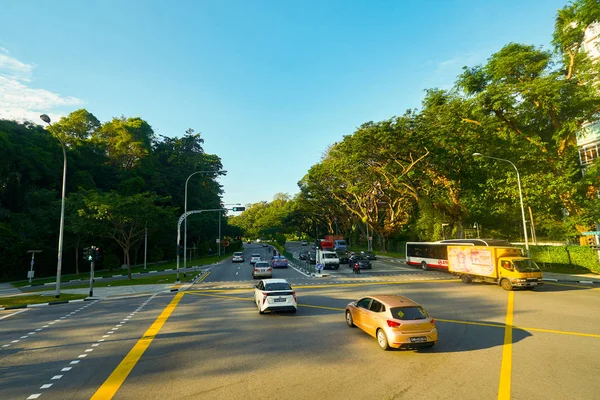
column 51, row 303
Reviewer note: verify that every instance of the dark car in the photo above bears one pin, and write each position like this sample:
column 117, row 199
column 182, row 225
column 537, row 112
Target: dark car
column 303, row 255
column 312, row 257
column 363, row 262
column 370, row 255
column 343, row 257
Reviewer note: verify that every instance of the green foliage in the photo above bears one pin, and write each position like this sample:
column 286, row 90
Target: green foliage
column 108, row 164
column 280, row 239
column 580, row 257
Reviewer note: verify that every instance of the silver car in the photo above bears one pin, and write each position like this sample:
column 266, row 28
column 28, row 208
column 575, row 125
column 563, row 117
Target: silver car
column 262, row 269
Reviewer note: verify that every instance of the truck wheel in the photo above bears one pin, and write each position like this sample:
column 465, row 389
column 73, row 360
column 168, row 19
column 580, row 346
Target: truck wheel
column 465, row 278
column 506, row 285
column 424, row 266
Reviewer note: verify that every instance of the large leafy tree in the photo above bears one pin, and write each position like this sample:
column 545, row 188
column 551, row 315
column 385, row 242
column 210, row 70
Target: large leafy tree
column 125, row 218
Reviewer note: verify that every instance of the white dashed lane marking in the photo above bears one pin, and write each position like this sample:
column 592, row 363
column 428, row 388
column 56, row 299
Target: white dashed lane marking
column 92, row 348
column 49, row 324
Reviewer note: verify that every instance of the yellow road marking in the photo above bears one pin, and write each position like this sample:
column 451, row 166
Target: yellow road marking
column 506, row 367
column 218, row 295
column 451, row 321
column 580, row 286
column 115, row 380
column 558, row 332
column 242, row 298
column 204, row 277
column 331, row 285
column 323, row 307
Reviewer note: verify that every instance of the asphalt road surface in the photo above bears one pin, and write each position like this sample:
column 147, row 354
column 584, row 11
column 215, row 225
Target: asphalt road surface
column 210, row 342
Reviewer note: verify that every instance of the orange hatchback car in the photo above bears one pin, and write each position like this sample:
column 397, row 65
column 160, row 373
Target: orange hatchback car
column 395, row 321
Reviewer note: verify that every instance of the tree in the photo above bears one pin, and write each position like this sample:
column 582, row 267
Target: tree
column 124, row 218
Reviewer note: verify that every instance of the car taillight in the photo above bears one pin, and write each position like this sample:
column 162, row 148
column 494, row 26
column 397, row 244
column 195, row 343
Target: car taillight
column 270, row 269
column 393, row 324
column 255, row 269
column 294, row 294
column 432, row 321
column 264, row 297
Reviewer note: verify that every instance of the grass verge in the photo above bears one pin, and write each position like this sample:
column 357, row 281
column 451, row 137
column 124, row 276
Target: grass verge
column 14, row 301
column 107, row 273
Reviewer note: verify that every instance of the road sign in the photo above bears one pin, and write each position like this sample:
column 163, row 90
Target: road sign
column 594, row 233
column 218, row 240
column 225, row 243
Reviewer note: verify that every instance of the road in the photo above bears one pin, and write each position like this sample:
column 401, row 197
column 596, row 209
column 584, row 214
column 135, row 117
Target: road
column 210, row 342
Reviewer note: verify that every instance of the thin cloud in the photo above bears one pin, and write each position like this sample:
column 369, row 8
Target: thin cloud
column 444, row 73
column 20, row 102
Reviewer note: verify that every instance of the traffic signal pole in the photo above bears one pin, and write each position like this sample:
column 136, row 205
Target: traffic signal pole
column 92, row 279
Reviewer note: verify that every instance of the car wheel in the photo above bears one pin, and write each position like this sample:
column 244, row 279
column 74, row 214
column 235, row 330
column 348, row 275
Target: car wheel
column 506, row 285
column 465, row 278
column 424, row 266
column 382, row 340
column 294, row 311
column 430, row 344
column 349, row 320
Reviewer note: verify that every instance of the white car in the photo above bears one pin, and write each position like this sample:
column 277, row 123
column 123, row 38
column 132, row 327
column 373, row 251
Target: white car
column 262, row 269
column 274, row 295
column 304, row 243
column 254, row 258
column 238, row 256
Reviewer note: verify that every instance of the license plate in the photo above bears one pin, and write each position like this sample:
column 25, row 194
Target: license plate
column 419, row 339
column 279, row 300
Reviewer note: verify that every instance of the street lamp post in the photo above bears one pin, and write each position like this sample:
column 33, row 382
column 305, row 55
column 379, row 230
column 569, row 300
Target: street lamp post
column 520, row 196
column 185, row 222
column 46, row 119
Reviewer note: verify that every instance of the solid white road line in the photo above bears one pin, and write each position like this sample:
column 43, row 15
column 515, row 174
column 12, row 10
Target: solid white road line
column 15, row 313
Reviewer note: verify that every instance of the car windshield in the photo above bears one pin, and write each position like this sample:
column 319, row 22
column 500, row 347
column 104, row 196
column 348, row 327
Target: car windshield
column 255, row 255
column 262, row 264
column 329, row 255
column 277, row 286
column 408, row 313
column 237, row 254
column 526, row 266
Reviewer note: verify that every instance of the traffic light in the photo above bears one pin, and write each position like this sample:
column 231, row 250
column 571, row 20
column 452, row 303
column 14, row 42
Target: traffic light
column 87, row 253
column 98, row 255
column 238, row 209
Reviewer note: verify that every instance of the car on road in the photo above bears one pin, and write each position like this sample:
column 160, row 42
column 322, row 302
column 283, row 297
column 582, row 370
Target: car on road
column 262, row 269
column 304, row 243
column 395, row 321
column 370, row 255
column 303, row 255
column 274, row 295
column 342, row 256
column 363, row 262
column 312, row 257
column 254, row 258
column 279, row 262
column 238, row 256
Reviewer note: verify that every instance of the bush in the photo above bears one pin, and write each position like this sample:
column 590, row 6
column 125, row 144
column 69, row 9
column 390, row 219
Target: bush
column 575, row 256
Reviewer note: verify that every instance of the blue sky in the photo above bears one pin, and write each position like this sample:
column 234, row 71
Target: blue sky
column 268, row 84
